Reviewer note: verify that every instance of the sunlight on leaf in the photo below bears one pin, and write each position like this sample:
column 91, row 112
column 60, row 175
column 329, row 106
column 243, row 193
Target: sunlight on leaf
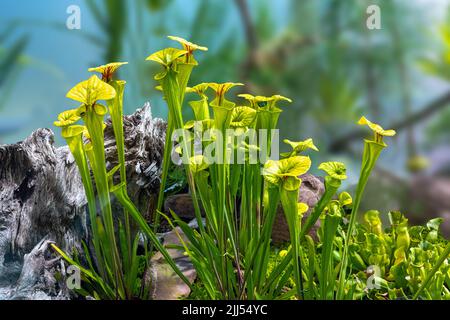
column 72, row 131
column 199, row 89
column 242, row 117
column 299, row 147
column 107, row 70
column 166, row 56
column 376, row 127
column 334, row 169
column 291, row 167
column 345, row 199
column 187, row 45
column 291, row 183
column 91, row 90
column 302, row 208
column 67, row 118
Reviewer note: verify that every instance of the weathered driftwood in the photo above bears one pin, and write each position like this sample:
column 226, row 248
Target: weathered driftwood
column 42, row 199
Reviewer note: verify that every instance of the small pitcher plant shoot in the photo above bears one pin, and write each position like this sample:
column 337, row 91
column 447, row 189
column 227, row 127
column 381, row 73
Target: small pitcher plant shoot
column 372, row 150
column 239, row 183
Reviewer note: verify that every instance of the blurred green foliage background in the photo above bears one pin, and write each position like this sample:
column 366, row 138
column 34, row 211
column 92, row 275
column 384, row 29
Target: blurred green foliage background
column 320, row 53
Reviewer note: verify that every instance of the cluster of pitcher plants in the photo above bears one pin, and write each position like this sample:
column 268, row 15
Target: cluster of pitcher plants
column 236, row 199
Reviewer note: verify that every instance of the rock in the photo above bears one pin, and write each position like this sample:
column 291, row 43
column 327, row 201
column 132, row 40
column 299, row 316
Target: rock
column 429, row 197
column 164, row 282
column 42, row 197
column 182, row 205
column 311, row 190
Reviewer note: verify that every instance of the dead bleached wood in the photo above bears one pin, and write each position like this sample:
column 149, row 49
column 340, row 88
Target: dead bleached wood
column 42, row 199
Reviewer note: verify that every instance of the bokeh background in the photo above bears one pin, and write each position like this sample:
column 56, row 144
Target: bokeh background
column 320, row 53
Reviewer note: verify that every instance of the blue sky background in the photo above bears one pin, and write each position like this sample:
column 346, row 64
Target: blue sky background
column 58, row 58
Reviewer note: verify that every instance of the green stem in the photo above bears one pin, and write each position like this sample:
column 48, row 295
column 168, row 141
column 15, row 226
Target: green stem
column 75, row 144
column 171, row 93
column 330, row 226
column 165, row 171
column 94, row 124
column 115, row 107
column 174, row 87
column 261, row 257
column 289, row 199
column 123, row 198
column 371, row 153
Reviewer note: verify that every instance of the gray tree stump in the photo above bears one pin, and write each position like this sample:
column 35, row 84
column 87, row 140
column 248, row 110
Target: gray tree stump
column 42, row 199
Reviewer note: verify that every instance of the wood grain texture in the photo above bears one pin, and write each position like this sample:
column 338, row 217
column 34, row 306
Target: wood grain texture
column 42, row 198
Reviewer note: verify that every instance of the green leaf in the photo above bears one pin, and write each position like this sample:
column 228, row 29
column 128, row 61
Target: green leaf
column 197, row 163
column 91, row 90
column 67, row 118
column 107, row 71
column 187, row 45
column 396, row 218
column 334, row 169
column 345, row 199
column 434, row 224
column 200, row 109
column 376, row 127
column 167, row 56
column 100, row 109
column 242, row 117
column 300, row 146
column 372, row 217
column 255, row 101
column 291, row 167
column 291, row 183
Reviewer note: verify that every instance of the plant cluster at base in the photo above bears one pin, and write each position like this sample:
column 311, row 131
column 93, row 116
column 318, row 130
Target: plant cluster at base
column 231, row 249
